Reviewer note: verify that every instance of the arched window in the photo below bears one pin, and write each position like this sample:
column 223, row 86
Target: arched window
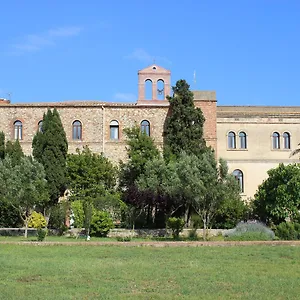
column 160, row 90
column 243, row 140
column 77, row 130
column 148, row 89
column 238, row 174
column 286, row 140
column 114, row 130
column 145, row 127
column 231, row 140
column 40, row 126
column 276, row 140
column 18, row 130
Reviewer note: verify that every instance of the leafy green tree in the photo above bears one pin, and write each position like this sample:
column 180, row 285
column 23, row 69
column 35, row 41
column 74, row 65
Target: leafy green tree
column 184, row 126
column 277, row 198
column 92, row 179
column 160, row 179
column 23, row 186
column 14, row 151
column 205, row 184
column 50, row 148
column 9, row 215
column 140, row 150
column 90, row 174
column 232, row 209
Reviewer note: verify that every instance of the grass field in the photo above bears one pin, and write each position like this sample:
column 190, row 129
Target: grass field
column 117, row 272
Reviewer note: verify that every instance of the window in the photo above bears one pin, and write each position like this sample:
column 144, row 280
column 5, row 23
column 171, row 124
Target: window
column 276, row 140
column 40, row 126
column 145, row 127
column 18, row 128
column 76, row 130
column 286, row 140
column 238, row 174
column 114, row 130
column 231, row 140
column 243, row 140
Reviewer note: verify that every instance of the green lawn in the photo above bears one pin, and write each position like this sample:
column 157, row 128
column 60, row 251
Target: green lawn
column 118, row 272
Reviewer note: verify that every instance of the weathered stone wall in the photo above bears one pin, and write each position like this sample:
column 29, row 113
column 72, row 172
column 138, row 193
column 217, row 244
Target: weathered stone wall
column 95, row 118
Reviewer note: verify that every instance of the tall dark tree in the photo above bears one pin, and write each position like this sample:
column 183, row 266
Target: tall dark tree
column 2, row 145
column 184, row 126
column 50, row 148
column 14, row 151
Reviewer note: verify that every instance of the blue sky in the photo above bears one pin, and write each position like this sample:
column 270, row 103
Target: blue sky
column 246, row 50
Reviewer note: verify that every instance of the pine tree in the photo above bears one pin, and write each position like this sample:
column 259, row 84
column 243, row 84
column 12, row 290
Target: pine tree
column 184, row 126
column 50, row 148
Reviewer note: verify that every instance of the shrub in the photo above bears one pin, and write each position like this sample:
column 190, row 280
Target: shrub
column 123, row 238
column 250, row 231
column 176, row 225
column 37, row 220
column 101, row 224
column 41, row 234
column 77, row 213
column 288, row 231
column 192, row 235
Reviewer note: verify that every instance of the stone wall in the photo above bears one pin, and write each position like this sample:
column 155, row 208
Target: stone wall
column 95, row 118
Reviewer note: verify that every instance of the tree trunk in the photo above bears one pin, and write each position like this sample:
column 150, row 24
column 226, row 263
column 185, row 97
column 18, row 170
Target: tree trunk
column 187, row 216
column 26, row 228
column 204, row 228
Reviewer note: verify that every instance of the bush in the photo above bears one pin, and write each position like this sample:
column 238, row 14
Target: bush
column 288, row 231
column 58, row 217
column 41, row 234
column 77, row 213
column 37, row 220
column 101, row 224
column 123, row 238
column 250, row 231
column 176, row 225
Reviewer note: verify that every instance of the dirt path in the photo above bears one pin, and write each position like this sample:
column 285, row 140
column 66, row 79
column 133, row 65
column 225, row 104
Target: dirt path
column 157, row 244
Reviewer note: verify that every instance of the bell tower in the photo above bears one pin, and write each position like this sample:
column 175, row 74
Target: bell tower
column 153, row 84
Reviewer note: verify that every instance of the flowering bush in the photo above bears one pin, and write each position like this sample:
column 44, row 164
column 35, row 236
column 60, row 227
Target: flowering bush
column 37, row 220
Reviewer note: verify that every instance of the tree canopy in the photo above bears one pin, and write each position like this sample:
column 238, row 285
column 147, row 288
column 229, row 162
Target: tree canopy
column 90, row 175
column 50, row 148
column 184, row 125
column 278, row 197
column 23, row 186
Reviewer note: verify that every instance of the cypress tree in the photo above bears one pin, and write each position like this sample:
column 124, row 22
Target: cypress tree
column 2, row 145
column 50, row 148
column 184, row 126
column 14, row 151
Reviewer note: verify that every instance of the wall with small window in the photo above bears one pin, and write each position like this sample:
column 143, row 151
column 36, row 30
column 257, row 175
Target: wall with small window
column 18, row 130
column 114, row 130
column 145, row 127
column 77, row 131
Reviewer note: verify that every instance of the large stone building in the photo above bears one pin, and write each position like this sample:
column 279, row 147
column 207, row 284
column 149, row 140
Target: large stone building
column 252, row 139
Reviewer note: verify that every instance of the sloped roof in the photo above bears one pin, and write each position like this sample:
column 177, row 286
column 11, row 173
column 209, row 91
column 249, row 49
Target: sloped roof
column 154, row 69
